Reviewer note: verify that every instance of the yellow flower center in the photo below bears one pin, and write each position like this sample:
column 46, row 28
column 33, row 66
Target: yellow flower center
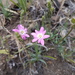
column 39, row 35
column 22, row 32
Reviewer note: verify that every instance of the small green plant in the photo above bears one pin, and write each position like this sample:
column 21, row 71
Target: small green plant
column 65, row 53
column 3, row 9
column 37, row 54
column 22, row 4
column 50, row 8
column 54, row 36
column 46, row 18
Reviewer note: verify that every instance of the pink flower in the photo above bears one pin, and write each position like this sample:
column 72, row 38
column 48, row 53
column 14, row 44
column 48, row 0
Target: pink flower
column 40, row 36
column 22, row 31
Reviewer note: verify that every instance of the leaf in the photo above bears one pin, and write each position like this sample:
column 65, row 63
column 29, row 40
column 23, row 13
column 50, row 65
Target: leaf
column 42, row 61
column 13, row 56
column 33, row 60
column 1, row 3
column 4, row 52
column 19, row 51
column 50, row 57
column 9, row 10
column 70, row 60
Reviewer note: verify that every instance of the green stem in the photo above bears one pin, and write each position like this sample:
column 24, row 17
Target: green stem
column 67, row 34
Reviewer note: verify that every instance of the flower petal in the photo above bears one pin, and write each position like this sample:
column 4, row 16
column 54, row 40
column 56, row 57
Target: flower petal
column 46, row 36
column 44, row 32
column 23, row 37
column 42, row 42
column 41, row 29
column 34, row 40
column 33, row 34
column 26, row 35
column 36, row 31
column 39, row 41
column 15, row 30
column 25, row 29
column 20, row 26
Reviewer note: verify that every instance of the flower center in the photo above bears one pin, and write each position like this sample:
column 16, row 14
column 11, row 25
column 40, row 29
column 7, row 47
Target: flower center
column 39, row 35
column 22, row 32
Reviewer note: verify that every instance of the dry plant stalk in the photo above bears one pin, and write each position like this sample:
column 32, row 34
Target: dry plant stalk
column 73, row 26
column 63, row 1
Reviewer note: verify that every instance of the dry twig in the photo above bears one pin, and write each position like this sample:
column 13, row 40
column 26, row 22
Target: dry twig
column 63, row 1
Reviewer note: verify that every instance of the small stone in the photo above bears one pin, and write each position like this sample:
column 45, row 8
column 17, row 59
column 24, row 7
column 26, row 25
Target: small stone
column 63, row 33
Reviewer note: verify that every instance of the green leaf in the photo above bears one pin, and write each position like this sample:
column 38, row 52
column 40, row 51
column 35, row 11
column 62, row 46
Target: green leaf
column 23, row 4
column 70, row 60
column 42, row 61
column 19, row 51
column 4, row 52
column 14, row 2
column 1, row 4
column 50, row 57
column 33, row 60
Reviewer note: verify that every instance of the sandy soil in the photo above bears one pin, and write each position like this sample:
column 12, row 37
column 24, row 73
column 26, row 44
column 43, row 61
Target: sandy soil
column 4, row 1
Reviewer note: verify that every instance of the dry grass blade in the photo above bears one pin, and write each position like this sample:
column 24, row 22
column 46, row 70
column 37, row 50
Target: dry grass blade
column 11, row 11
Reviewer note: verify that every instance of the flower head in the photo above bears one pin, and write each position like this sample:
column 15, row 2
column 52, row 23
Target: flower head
column 40, row 36
column 22, row 31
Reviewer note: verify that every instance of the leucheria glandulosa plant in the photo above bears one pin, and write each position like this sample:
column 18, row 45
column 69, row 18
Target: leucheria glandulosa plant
column 22, row 31
column 40, row 36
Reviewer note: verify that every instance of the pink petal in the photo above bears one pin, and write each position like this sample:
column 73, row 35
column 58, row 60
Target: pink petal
column 15, row 30
column 46, row 36
column 34, row 40
column 42, row 42
column 20, row 27
column 39, row 41
column 23, row 37
column 44, row 32
column 41, row 29
column 36, row 31
column 26, row 35
column 25, row 30
column 33, row 34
